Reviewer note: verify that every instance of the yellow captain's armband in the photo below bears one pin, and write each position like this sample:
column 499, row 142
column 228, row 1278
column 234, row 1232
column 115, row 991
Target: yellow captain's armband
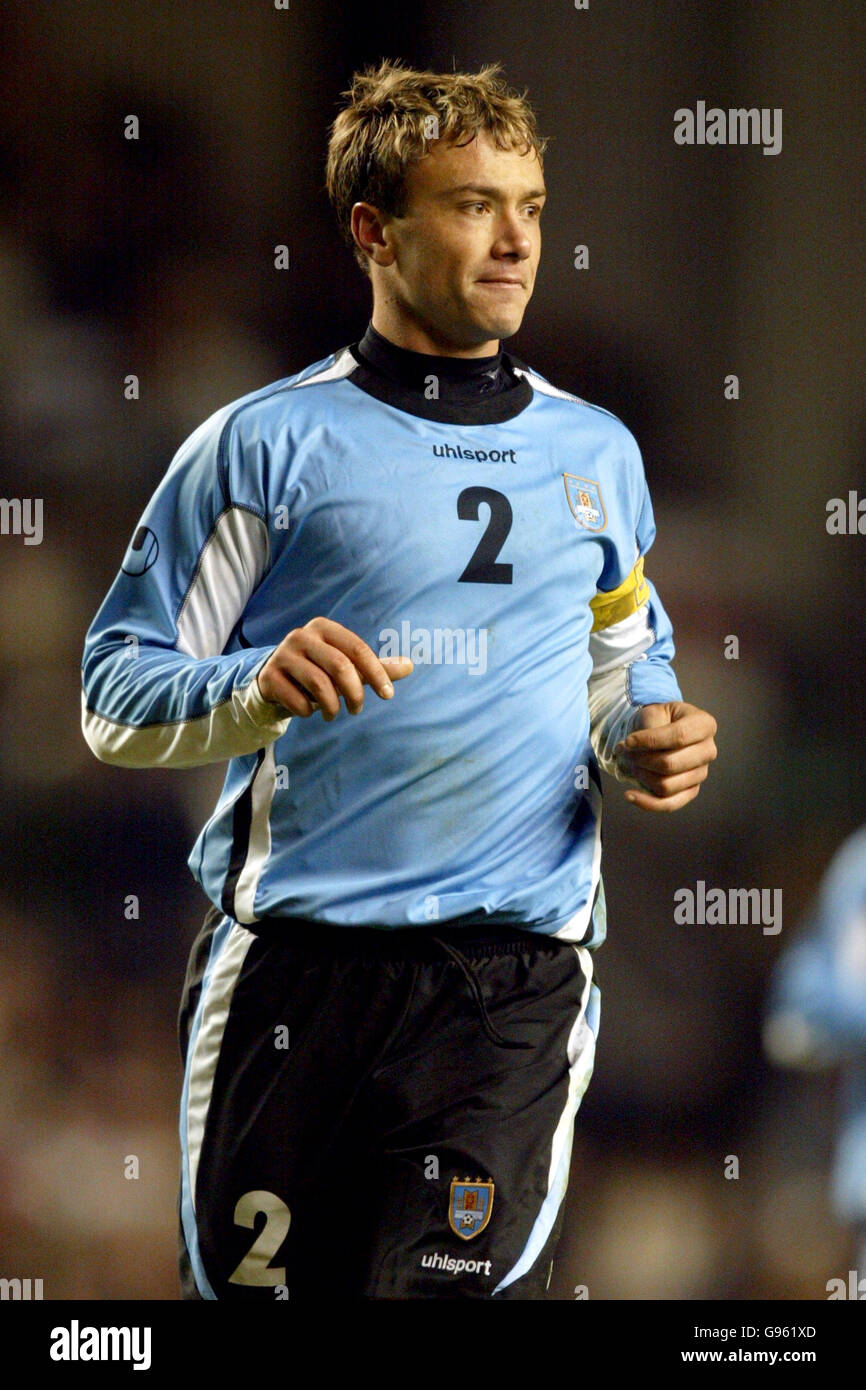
column 622, row 601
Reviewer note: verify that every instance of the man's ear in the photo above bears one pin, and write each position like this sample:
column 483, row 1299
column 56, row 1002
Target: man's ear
column 370, row 230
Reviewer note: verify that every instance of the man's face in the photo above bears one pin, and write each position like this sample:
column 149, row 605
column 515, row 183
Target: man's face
column 466, row 251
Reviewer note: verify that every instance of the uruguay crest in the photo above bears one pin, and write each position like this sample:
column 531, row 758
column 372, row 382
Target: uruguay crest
column 469, row 1207
column 584, row 499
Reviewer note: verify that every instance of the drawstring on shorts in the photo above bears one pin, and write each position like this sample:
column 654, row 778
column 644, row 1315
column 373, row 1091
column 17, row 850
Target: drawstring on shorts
column 475, row 990
column 408, row 944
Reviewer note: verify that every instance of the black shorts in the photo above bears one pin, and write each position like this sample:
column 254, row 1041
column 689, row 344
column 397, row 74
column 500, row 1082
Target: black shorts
column 378, row 1114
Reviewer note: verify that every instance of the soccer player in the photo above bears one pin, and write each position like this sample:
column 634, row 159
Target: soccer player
column 389, row 1016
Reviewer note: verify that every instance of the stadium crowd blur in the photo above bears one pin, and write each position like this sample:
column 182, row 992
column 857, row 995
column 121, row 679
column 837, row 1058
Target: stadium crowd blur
column 154, row 257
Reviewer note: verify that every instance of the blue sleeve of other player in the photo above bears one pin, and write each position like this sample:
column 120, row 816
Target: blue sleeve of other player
column 817, row 1002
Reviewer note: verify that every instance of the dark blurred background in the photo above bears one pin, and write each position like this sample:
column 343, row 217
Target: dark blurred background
column 155, row 257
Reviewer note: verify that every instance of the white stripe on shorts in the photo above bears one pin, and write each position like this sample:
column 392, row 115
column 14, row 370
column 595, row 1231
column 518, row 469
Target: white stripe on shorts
column 213, row 1011
column 581, row 1058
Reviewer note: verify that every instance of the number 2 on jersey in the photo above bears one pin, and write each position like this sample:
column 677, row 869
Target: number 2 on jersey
column 483, row 567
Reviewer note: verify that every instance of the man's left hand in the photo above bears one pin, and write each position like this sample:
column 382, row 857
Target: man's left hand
column 669, row 753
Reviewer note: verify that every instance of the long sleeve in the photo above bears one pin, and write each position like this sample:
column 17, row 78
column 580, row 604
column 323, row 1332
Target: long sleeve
column 631, row 642
column 158, row 687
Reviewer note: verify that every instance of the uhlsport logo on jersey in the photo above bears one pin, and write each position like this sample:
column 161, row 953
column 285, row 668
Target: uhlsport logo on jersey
column 584, row 499
column 469, row 1207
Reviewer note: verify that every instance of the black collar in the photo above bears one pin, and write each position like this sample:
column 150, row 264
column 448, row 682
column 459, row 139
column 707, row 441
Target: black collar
column 413, row 369
column 468, row 390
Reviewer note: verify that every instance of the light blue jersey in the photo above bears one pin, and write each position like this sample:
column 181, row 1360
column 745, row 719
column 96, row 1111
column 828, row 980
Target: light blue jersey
column 501, row 549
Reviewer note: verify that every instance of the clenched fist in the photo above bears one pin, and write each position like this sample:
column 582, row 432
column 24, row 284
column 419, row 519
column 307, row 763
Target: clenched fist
column 669, row 753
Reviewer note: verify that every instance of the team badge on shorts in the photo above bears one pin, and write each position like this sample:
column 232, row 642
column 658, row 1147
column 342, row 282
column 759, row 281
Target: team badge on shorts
column 469, row 1207
column 584, row 499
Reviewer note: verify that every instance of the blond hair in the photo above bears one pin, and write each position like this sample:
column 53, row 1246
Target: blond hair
column 392, row 115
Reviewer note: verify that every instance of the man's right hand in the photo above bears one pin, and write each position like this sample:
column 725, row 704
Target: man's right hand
column 316, row 664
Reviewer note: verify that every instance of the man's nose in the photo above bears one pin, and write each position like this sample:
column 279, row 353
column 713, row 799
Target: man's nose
column 512, row 237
